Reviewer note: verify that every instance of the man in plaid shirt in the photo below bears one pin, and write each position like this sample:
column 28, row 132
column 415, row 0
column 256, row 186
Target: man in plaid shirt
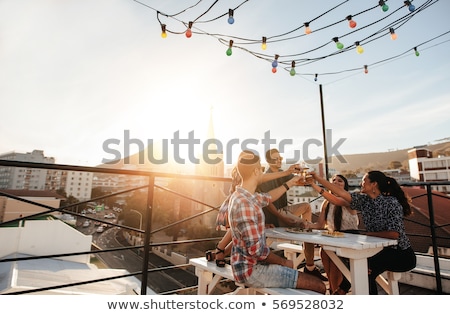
column 252, row 262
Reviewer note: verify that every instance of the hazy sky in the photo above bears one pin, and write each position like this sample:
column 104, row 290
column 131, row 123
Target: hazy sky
column 76, row 75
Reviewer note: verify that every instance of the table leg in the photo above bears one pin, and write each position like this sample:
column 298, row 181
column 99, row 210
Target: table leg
column 359, row 276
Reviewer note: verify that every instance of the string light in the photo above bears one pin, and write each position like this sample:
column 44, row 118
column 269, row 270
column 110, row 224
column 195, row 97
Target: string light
column 264, row 43
column 189, row 30
column 292, row 72
column 229, row 51
column 410, row 6
column 307, row 28
column 339, row 45
column 275, row 64
column 359, row 48
column 163, row 31
column 393, row 35
column 349, row 18
column 351, row 23
column 383, row 5
column 230, row 16
column 366, row 70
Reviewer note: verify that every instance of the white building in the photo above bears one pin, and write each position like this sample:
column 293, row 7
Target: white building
column 21, row 177
column 77, row 184
column 53, row 237
column 423, row 167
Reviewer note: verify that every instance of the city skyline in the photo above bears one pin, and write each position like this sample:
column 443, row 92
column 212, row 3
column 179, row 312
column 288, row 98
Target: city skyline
column 79, row 73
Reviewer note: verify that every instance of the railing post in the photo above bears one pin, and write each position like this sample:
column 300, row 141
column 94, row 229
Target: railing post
column 147, row 231
column 437, row 268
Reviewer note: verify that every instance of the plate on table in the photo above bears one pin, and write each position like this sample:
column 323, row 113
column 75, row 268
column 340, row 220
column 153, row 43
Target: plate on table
column 299, row 230
column 333, row 234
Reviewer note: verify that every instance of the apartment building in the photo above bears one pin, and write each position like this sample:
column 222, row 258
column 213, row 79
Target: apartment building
column 76, row 184
column 423, row 167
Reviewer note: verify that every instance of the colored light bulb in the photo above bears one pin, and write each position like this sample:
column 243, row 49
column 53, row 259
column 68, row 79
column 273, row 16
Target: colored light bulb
column 264, row 43
column 315, row 77
column 230, row 16
column 274, row 64
column 274, row 70
column 351, row 23
column 359, row 48
column 383, row 5
column 229, row 50
column 416, row 52
column 307, row 28
column 163, row 31
column 292, row 72
column 393, row 35
column 339, row 45
column 189, row 30
column 410, row 6
column 366, row 70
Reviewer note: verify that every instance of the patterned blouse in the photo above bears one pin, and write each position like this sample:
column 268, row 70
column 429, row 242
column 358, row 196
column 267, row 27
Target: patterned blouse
column 247, row 229
column 383, row 213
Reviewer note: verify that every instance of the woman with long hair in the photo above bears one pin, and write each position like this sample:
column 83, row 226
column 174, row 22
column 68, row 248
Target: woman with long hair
column 335, row 215
column 383, row 205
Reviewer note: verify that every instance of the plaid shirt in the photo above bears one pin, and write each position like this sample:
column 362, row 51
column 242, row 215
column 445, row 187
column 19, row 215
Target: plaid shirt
column 247, row 222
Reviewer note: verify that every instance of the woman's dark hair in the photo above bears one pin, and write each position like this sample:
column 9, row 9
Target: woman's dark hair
column 389, row 187
column 337, row 220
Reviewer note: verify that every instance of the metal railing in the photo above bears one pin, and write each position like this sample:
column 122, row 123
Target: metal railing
column 147, row 220
column 147, row 230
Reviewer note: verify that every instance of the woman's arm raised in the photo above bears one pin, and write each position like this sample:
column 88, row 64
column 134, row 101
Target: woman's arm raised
column 341, row 192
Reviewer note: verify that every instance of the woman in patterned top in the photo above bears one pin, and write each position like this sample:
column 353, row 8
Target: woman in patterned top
column 383, row 204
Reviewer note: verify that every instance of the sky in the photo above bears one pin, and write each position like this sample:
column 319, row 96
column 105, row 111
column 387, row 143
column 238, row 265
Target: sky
column 85, row 80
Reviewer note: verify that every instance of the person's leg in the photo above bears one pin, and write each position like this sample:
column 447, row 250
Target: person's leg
column 303, row 210
column 326, row 261
column 389, row 259
column 223, row 249
column 309, row 282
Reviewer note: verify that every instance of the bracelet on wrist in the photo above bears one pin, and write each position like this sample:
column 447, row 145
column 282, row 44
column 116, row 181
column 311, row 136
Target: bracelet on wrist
column 286, row 186
column 321, row 191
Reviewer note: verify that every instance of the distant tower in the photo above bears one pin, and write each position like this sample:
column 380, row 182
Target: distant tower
column 210, row 192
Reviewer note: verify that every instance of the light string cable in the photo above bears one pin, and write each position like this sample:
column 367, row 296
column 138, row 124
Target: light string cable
column 287, row 59
column 380, row 33
column 407, row 53
column 304, row 61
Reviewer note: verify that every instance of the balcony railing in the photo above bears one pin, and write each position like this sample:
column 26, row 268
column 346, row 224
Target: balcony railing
column 147, row 230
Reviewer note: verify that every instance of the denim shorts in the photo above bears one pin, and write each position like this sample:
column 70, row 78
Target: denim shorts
column 272, row 276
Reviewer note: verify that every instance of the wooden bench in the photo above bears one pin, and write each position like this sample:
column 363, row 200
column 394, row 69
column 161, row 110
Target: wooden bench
column 388, row 281
column 209, row 275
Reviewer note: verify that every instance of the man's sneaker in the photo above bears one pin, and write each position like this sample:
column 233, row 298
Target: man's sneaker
column 316, row 273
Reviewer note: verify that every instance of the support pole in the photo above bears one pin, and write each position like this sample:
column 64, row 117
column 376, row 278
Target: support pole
column 324, row 133
column 148, row 227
